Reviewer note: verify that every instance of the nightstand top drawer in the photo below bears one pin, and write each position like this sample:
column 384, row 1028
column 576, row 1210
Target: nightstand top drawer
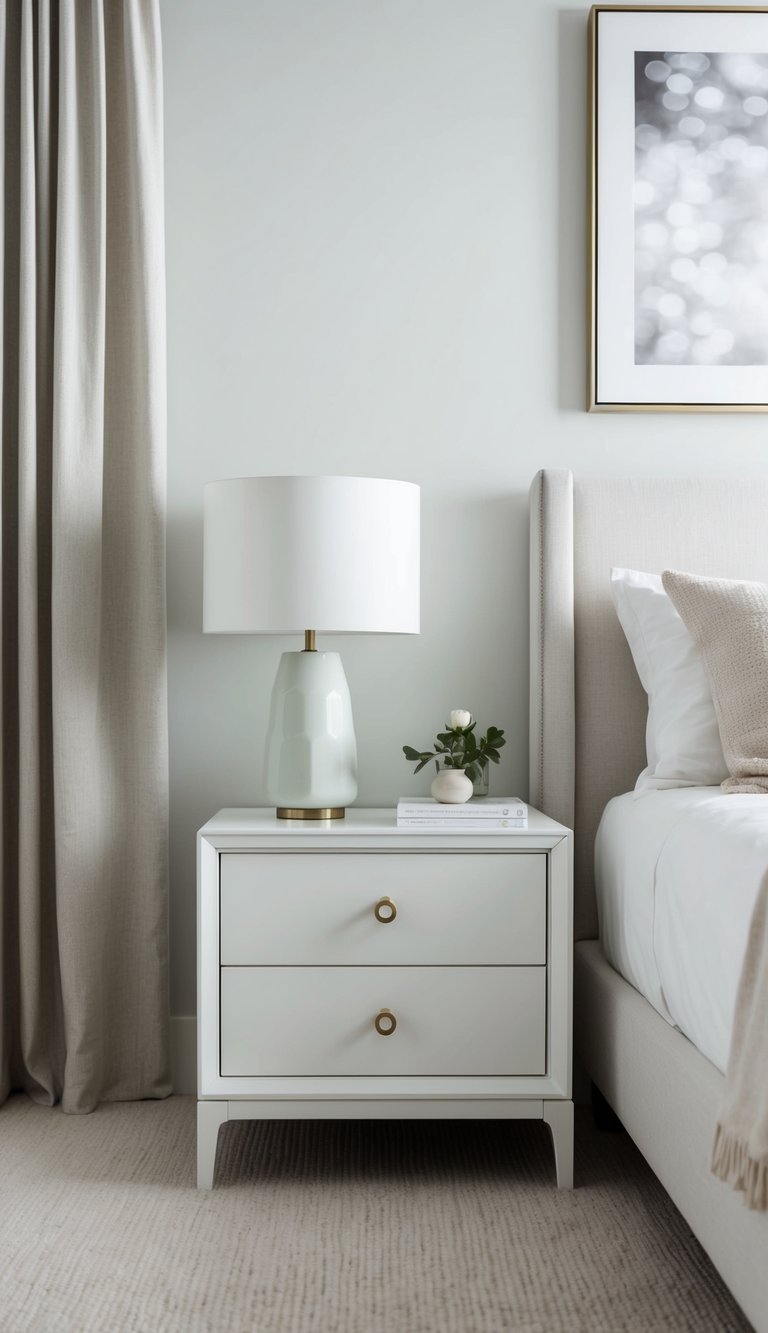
column 425, row 909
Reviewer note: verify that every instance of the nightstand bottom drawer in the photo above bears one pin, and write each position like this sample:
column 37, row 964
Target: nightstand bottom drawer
column 278, row 1021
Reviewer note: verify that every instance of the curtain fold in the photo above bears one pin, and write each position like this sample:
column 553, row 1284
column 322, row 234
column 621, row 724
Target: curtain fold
column 84, row 807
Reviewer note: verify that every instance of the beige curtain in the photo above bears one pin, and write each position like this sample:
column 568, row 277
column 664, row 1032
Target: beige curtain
column 83, row 899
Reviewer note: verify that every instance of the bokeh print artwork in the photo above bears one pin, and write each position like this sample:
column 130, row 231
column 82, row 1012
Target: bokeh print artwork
column 679, row 317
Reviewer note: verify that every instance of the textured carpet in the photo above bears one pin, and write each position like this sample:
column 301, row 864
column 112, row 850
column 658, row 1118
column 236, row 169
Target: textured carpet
column 336, row 1228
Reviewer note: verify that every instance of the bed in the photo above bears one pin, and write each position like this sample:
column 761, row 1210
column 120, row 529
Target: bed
column 588, row 713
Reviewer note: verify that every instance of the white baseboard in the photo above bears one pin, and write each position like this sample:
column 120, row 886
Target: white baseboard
column 184, row 1054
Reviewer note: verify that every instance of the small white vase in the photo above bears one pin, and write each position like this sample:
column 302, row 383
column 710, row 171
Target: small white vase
column 451, row 786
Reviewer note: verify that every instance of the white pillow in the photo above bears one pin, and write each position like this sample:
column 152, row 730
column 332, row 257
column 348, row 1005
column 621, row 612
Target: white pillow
column 682, row 740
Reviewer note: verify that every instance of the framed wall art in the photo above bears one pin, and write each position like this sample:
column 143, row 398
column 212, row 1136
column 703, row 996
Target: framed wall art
column 679, row 209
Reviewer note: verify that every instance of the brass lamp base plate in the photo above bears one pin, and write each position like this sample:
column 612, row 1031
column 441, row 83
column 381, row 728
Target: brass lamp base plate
column 323, row 812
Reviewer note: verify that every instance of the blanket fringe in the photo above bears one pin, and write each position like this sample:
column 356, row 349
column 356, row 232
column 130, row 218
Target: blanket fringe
column 731, row 1161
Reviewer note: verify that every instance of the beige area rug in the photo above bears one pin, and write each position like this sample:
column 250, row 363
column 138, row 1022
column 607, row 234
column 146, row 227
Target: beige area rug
column 336, row 1228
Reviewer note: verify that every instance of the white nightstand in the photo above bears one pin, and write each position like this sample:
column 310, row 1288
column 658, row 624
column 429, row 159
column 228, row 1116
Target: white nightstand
column 361, row 971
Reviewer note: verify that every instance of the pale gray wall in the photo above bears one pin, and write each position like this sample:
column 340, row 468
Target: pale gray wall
column 376, row 240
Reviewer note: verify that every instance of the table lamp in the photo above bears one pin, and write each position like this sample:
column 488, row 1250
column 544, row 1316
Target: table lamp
column 311, row 555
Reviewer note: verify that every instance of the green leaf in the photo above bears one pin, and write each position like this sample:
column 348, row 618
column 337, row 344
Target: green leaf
column 493, row 737
column 417, row 757
column 473, row 771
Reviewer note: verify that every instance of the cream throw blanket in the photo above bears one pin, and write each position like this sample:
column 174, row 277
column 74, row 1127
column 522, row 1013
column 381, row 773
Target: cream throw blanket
column 729, row 624
column 740, row 1150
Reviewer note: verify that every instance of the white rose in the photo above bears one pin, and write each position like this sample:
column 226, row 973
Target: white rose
column 460, row 718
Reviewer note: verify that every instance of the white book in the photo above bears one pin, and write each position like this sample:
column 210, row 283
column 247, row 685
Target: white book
column 463, row 825
column 480, row 807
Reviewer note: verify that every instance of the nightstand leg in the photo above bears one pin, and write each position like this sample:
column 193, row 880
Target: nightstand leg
column 210, row 1117
column 559, row 1116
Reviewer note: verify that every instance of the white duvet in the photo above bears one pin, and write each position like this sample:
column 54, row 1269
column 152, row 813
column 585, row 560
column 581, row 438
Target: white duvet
column 677, row 875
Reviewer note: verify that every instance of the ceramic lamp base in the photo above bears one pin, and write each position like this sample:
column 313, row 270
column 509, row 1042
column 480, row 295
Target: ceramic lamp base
column 311, row 760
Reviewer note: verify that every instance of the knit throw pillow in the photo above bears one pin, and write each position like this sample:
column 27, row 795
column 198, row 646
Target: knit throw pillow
column 728, row 622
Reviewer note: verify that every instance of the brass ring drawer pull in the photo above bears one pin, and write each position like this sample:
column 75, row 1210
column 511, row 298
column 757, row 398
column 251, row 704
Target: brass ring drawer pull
column 385, row 1022
column 385, row 911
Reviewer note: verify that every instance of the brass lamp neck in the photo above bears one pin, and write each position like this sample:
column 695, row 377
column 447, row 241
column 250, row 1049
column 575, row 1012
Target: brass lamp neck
column 309, row 641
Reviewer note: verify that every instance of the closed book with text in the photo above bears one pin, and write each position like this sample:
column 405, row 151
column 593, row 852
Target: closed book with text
column 480, row 807
column 465, row 825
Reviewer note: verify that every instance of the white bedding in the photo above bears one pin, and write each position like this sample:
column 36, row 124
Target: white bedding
column 677, row 875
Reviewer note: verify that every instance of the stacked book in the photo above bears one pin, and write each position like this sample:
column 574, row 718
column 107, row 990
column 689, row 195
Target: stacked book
column 482, row 812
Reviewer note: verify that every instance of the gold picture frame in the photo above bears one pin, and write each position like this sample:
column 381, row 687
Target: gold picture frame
column 617, row 380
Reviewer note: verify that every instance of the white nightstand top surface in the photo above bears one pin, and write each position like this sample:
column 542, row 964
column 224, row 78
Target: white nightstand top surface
column 364, row 823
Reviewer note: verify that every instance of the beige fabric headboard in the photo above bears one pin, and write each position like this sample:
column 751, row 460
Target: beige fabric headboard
column 588, row 708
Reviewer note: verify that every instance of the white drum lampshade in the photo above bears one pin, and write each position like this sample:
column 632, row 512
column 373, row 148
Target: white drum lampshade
column 308, row 555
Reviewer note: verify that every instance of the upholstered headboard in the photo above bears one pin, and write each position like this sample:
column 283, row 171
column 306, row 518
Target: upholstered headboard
column 588, row 708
